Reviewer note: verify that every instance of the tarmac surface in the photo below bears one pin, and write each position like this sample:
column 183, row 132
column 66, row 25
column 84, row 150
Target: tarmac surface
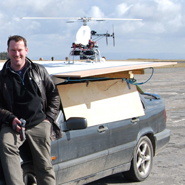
column 169, row 165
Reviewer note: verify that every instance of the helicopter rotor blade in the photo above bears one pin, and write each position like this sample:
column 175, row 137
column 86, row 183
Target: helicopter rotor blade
column 107, row 38
column 114, row 40
column 75, row 18
column 113, row 35
column 114, row 19
column 70, row 21
column 84, row 18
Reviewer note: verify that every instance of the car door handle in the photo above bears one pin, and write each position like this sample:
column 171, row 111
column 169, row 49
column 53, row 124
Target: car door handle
column 102, row 129
column 135, row 120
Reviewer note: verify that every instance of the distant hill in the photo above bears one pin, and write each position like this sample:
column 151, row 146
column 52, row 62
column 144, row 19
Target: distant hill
column 3, row 55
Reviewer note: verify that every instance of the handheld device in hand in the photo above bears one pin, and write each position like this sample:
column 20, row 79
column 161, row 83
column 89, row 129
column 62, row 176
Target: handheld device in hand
column 22, row 131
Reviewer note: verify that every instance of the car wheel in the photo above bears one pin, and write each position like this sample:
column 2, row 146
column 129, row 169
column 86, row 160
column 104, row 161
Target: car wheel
column 142, row 161
column 29, row 174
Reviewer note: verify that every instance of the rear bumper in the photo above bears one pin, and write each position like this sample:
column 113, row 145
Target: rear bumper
column 161, row 140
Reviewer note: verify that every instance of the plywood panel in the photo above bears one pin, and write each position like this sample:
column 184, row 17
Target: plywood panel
column 101, row 101
column 87, row 72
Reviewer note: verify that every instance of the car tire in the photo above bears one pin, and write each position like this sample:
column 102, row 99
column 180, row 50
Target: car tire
column 29, row 175
column 142, row 161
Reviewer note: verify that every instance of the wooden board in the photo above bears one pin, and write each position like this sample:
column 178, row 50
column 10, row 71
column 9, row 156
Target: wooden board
column 101, row 101
column 112, row 69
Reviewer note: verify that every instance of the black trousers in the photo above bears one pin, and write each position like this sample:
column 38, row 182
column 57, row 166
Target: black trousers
column 2, row 178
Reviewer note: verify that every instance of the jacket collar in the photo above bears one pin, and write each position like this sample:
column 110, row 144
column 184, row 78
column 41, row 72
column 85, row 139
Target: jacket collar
column 6, row 66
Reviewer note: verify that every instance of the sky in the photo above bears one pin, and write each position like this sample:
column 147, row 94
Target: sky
column 160, row 34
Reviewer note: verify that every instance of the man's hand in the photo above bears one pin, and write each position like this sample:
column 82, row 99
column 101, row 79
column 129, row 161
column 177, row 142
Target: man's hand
column 47, row 120
column 15, row 124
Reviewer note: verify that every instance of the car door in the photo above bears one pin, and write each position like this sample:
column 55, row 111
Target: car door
column 122, row 140
column 80, row 153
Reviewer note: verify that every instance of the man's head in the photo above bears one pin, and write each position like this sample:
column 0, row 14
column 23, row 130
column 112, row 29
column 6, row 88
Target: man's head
column 17, row 38
column 17, row 51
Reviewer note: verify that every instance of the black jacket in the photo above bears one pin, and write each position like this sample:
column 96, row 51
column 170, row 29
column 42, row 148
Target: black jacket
column 48, row 93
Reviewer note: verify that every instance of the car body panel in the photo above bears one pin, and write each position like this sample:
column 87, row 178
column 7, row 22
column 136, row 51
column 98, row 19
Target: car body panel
column 122, row 141
column 161, row 140
column 83, row 149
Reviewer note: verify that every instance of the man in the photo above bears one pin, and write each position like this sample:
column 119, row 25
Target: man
column 27, row 92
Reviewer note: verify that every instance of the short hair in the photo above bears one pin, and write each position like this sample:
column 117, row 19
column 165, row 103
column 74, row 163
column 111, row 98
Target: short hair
column 17, row 38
